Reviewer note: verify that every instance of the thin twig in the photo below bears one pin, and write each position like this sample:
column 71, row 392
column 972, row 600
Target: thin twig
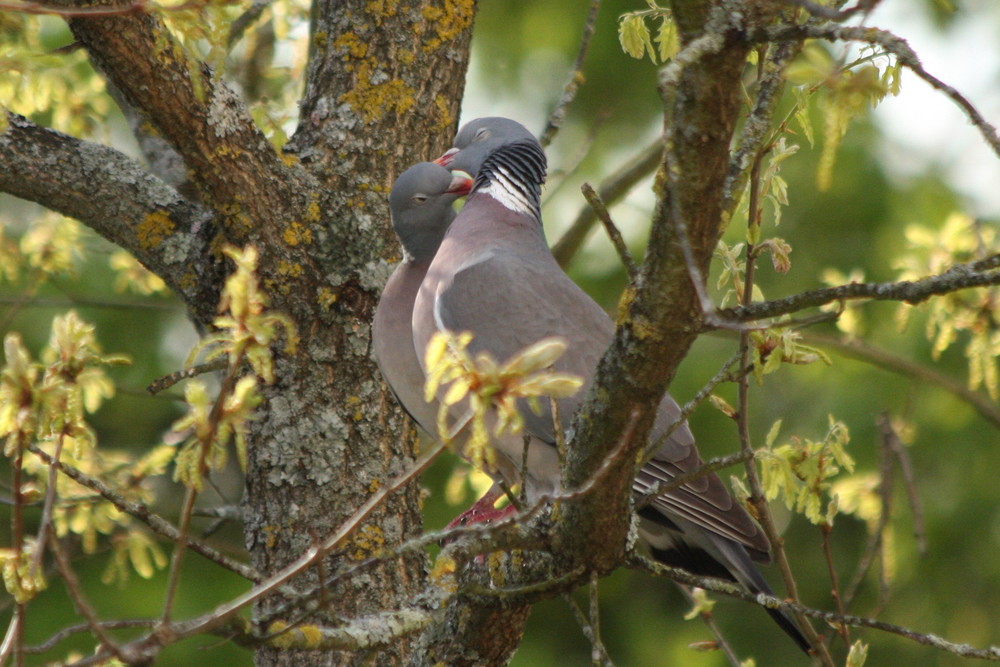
column 709, row 620
column 825, row 531
column 45, row 525
column 63, row 634
column 575, row 78
column 894, row 45
column 833, row 13
column 238, row 27
column 617, row 241
column 149, row 644
column 730, row 589
column 156, row 523
column 598, row 654
column 14, row 630
column 885, row 359
column 756, row 132
column 168, row 381
column 725, row 374
column 874, row 545
column 206, row 442
column 17, row 536
column 611, row 189
column 80, row 603
column 910, row 485
column 885, row 492
column 743, row 426
column 546, row 584
column 981, row 273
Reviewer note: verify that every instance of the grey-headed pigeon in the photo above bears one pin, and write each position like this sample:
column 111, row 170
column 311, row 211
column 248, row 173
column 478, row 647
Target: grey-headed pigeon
column 480, row 137
column 495, row 277
column 421, row 206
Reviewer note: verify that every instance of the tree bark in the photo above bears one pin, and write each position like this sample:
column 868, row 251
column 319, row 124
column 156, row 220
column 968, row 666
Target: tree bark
column 383, row 91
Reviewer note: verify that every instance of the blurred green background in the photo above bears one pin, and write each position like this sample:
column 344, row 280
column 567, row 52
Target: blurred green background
column 882, row 183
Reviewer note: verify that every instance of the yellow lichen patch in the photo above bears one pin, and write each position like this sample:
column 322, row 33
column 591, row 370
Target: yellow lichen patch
column 380, row 9
column 319, row 39
column 353, row 44
column 154, row 228
column 624, row 303
column 290, row 269
column 312, row 636
column 373, row 101
column 368, row 542
column 642, row 329
column 355, row 402
column 297, row 233
column 447, row 22
column 374, row 486
column 444, row 568
column 312, row 209
column 289, row 159
column 444, row 115
column 272, row 535
column 281, row 639
column 405, row 56
column 327, row 297
column 495, row 563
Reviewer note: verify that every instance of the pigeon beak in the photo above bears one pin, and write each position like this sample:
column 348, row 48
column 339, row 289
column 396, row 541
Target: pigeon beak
column 446, row 159
column 461, row 183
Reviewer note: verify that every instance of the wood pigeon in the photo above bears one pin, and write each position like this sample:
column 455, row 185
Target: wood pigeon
column 421, row 207
column 480, row 137
column 494, row 276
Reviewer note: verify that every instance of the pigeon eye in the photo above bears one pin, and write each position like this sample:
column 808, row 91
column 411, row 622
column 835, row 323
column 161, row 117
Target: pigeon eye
column 418, row 199
column 482, row 134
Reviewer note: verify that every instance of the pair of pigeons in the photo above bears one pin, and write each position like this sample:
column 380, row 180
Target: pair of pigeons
column 489, row 271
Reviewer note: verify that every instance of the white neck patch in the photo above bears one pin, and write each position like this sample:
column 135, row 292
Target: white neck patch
column 502, row 187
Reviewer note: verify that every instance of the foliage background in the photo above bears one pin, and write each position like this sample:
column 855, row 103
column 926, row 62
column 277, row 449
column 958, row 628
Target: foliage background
column 882, row 184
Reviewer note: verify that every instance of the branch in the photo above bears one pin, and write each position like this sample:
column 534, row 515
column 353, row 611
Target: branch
column 991, row 653
column 356, row 634
column 237, row 171
column 167, row 633
column 613, row 188
column 617, row 241
column 113, row 195
column 80, row 603
column 156, row 523
column 894, row 45
column 960, row 276
column 757, row 128
column 575, row 78
column 55, row 639
column 885, row 359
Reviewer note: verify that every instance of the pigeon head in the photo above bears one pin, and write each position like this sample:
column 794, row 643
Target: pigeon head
column 480, row 137
column 513, row 174
column 420, row 202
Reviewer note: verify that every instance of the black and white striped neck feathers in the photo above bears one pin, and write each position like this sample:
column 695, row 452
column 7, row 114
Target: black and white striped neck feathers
column 513, row 175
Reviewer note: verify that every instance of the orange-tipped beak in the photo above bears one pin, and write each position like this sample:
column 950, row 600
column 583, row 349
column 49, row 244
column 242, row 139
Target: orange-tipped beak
column 446, row 159
column 461, row 183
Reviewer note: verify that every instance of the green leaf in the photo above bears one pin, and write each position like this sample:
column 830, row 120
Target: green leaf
column 634, row 36
column 668, row 39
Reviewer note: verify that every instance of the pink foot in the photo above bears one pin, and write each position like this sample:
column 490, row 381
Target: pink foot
column 483, row 510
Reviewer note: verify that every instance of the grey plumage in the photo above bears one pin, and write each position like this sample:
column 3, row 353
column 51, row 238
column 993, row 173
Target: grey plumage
column 495, row 276
column 421, row 206
column 480, row 137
